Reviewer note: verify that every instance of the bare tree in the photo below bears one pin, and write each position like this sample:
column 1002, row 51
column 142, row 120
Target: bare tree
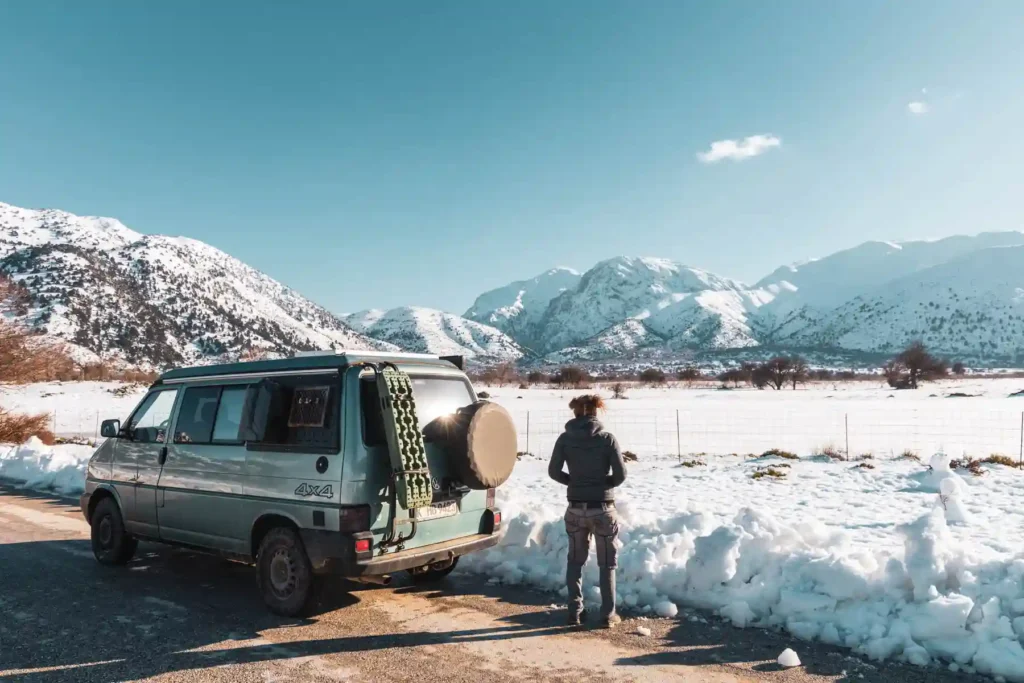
column 689, row 374
column 571, row 377
column 958, row 369
column 777, row 371
column 921, row 365
column 652, row 376
column 798, row 371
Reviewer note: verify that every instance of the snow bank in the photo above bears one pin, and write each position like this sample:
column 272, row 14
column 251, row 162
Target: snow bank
column 51, row 468
column 928, row 598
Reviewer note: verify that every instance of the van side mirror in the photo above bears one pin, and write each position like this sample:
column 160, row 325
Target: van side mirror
column 110, row 428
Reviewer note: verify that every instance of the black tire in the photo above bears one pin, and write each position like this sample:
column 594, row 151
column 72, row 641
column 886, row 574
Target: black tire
column 285, row 574
column 111, row 544
column 431, row 575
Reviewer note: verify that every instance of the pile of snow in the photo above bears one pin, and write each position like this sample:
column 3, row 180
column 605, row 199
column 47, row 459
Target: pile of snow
column 50, row 468
column 919, row 591
column 789, row 659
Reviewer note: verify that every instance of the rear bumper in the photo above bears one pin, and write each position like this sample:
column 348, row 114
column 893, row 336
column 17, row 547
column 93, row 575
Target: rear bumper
column 334, row 553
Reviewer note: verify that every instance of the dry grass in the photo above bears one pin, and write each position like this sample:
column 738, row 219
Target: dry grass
column 864, row 466
column 17, row 427
column 830, row 452
column 972, row 465
column 629, row 456
column 865, row 456
column 997, row 459
column 909, row 455
column 779, row 453
column 693, row 463
column 771, row 472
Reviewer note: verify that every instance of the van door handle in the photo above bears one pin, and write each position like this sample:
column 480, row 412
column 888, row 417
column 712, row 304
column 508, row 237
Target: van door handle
column 163, row 456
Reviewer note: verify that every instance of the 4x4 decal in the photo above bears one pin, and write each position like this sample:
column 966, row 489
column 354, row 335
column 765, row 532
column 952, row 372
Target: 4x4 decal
column 322, row 491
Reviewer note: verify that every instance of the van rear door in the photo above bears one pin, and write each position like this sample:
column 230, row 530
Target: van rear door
column 455, row 511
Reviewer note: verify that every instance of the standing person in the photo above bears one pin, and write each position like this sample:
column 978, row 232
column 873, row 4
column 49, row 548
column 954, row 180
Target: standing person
column 595, row 470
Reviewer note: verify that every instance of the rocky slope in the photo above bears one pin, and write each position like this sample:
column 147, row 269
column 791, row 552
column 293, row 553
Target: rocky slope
column 153, row 300
column 425, row 330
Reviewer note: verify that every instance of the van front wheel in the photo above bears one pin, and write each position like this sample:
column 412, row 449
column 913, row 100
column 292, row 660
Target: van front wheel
column 285, row 574
column 111, row 544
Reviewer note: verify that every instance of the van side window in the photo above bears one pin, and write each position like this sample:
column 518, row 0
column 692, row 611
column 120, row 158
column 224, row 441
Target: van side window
column 149, row 422
column 196, row 415
column 304, row 415
column 229, row 414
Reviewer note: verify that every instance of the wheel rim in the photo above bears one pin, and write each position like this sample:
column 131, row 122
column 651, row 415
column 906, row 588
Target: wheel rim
column 282, row 573
column 106, row 532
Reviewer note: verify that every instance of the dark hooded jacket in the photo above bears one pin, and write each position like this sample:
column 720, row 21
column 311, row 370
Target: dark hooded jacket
column 594, row 460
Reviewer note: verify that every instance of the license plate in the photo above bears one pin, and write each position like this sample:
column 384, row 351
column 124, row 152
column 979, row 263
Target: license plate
column 449, row 509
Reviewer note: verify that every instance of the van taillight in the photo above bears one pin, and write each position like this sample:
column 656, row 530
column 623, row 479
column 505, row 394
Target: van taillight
column 363, row 545
column 353, row 518
column 490, row 498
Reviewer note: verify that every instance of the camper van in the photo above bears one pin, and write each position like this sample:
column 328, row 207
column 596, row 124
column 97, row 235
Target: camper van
column 352, row 464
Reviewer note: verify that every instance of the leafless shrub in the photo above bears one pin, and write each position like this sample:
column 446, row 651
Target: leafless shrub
column 18, row 427
column 779, row 453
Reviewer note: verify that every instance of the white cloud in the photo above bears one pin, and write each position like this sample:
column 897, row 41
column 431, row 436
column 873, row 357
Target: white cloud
column 738, row 150
column 918, row 108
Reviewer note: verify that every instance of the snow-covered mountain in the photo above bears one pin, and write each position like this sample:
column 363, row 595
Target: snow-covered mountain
column 678, row 305
column 803, row 294
column 149, row 299
column 517, row 308
column 972, row 305
column 426, row 330
column 962, row 295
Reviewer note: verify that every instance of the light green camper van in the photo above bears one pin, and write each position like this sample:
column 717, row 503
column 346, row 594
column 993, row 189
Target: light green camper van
column 352, row 464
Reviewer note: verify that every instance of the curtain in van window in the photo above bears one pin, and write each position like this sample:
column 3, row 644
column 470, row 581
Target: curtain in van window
column 229, row 414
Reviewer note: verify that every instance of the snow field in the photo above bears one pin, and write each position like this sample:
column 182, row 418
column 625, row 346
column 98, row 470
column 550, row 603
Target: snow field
column 866, row 417
column 899, row 561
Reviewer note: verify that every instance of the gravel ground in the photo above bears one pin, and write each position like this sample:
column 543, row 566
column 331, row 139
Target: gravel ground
column 177, row 616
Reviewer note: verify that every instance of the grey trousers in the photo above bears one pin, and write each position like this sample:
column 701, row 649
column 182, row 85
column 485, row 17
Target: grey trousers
column 582, row 523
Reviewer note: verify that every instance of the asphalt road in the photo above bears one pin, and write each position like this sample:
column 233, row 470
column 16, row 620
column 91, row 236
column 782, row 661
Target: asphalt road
column 177, row 616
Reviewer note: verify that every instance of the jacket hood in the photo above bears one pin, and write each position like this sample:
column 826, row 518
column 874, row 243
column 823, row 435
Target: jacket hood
column 584, row 426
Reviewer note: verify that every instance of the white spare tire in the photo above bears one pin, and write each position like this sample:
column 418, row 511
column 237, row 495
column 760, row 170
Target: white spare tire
column 480, row 440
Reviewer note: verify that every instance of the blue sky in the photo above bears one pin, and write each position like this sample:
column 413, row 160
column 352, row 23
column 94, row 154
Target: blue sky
column 482, row 142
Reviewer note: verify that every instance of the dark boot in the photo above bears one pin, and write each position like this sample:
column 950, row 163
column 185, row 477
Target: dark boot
column 574, row 583
column 608, row 616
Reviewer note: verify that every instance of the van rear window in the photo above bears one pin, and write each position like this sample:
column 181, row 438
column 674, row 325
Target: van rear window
column 435, row 397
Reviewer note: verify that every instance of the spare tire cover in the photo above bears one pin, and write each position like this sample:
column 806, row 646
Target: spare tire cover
column 481, row 444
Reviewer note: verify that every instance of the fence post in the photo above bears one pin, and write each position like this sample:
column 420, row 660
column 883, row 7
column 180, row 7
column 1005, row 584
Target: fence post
column 527, row 431
column 846, row 420
column 679, row 444
column 1021, row 463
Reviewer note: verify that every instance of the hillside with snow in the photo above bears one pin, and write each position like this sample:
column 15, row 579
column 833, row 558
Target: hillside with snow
column 113, row 293
column 517, row 308
column 116, row 294
column 675, row 304
column 426, row 330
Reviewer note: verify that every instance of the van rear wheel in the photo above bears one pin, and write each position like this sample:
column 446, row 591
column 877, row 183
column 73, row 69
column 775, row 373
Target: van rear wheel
column 285, row 574
column 432, row 574
column 111, row 544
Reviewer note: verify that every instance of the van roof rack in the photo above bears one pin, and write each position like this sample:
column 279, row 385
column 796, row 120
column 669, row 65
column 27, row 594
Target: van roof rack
column 308, row 361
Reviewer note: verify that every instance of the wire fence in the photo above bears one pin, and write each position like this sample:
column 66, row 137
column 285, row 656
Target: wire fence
column 879, row 431
column 716, row 429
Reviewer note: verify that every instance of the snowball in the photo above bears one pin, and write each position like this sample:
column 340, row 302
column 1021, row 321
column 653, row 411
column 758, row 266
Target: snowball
column 666, row 609
column 739, row 613
column 788, row 659
column 643, row 631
